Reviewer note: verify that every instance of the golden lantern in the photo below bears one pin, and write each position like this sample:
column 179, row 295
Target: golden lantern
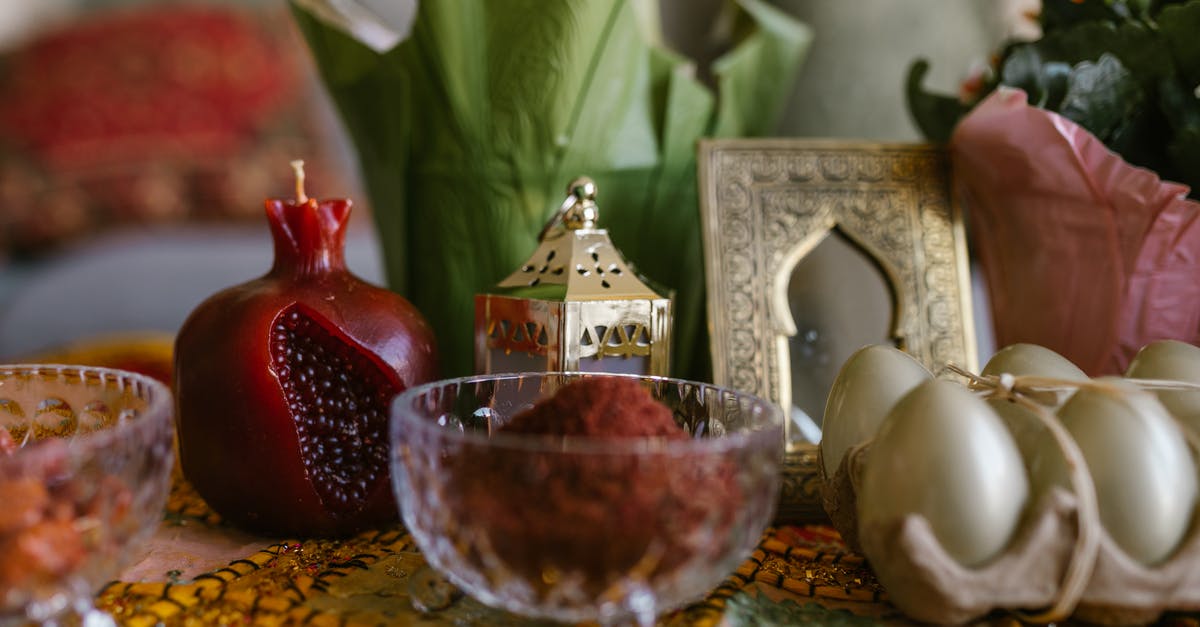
column 576, row 304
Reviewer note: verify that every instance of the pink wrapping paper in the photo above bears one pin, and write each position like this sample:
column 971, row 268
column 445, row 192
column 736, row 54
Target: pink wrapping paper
column 1083, row 253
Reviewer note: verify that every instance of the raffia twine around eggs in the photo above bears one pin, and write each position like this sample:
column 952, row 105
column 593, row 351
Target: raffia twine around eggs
column 1060, row 562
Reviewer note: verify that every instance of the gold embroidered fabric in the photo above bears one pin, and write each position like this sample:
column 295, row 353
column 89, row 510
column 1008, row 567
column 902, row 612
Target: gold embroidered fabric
column 379, row 577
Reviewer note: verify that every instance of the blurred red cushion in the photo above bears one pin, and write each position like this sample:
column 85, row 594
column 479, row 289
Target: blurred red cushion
column 156, row 114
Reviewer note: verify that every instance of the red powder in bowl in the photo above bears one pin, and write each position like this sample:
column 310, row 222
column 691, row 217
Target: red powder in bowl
column 552, row 514
column 601, row 408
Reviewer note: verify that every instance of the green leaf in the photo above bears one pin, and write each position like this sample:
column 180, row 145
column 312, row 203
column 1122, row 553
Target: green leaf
column 1140, row 9
column 1185, row 155
column 1022, row 68
column 1180, row 105
column 469, row 129
column 1140, row 139
column 1063, row 13
column 687, row 112
column 378, row 123
column 1101, row 96
column 1056, row 79
column 1044, row 82
column 1127, row 70
column 1180, row 28
column 750, row 101
column 1157, row 6
column 1138, row 48
column 934, row 114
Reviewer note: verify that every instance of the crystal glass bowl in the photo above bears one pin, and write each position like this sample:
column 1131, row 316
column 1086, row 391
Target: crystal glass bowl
column 85, row 460
column 576, row 528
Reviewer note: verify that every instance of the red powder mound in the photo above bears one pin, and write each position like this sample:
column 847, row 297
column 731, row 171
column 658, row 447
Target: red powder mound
column 601, row 408
column 602, row 515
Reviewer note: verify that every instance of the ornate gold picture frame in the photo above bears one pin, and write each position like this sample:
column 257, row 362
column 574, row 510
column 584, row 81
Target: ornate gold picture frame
column 766, row 205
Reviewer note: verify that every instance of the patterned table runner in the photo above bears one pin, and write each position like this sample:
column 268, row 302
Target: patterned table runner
column 200, row 571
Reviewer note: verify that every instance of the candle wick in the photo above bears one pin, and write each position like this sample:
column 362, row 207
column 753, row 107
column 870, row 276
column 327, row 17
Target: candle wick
column 298, row 167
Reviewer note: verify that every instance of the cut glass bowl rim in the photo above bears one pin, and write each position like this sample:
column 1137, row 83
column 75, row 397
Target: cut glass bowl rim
column 159, row 404
column 405, row 414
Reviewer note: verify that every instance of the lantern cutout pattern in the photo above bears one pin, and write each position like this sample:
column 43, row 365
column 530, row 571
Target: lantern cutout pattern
column 574, row 305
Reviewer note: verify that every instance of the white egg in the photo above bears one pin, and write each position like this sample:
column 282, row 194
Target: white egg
column 1173, row 361
column 944, row 454
column 1030, row 436
column 866, row 388
column 1027, row 430
column 1031, row 359
column 1146, row 482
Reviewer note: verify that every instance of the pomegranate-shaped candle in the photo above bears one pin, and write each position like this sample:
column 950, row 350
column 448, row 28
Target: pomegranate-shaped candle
column 283, row 383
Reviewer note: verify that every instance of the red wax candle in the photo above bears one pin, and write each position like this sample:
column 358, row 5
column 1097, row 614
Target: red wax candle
column 283, row 383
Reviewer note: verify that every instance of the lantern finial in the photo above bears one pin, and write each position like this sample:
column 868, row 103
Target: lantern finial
column 583, row 188
column 578, row 210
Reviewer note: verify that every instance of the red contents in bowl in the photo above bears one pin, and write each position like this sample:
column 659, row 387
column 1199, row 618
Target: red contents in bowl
column 39, row 540
column 47, row 518
column 600, row 407
column 606, row 515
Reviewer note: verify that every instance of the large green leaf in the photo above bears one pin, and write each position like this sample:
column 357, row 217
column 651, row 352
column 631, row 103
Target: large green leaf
column 755, row 78
column 377, row 121
column 468, row 130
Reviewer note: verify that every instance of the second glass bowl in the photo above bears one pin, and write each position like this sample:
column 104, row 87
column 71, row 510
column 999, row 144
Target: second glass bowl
column 85, row 460
column 573, row 528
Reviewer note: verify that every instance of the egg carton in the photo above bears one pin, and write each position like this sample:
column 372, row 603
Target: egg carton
column 1047, row 570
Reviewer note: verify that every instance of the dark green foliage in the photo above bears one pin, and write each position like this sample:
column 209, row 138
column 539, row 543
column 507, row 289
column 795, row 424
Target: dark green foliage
column 1127, row 71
